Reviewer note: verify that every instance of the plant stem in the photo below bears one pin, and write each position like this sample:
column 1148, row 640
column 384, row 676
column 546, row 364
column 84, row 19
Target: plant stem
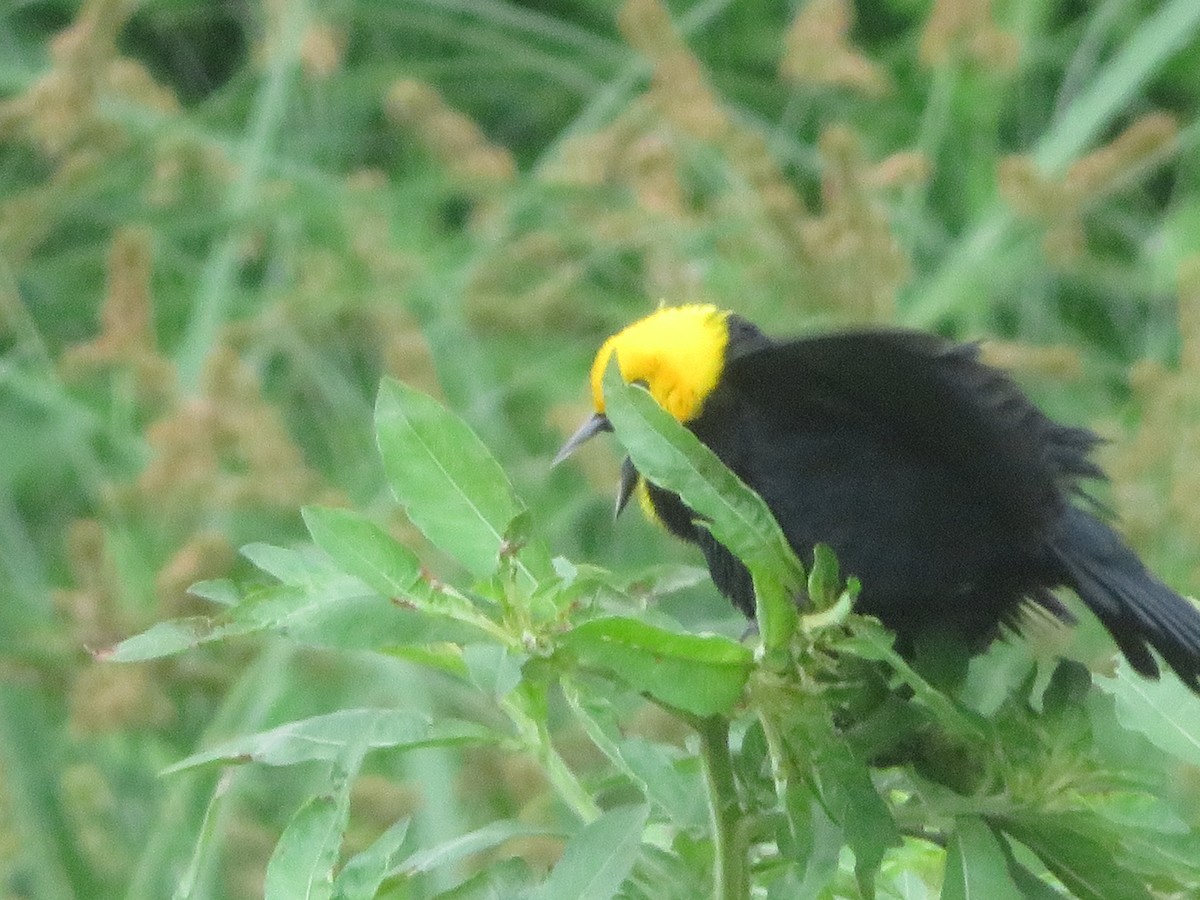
column 730, row 875
column 536, row 736
column 989, row 247
column 218, row 279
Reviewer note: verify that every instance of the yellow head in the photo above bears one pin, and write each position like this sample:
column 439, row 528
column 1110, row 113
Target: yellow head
column 677, row 352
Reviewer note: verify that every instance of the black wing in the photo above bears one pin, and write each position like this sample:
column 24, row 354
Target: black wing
column 924, row 396
column 931, row 475
column 938, row 482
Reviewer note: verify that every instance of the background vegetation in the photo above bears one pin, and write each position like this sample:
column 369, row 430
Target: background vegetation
column 222, row 223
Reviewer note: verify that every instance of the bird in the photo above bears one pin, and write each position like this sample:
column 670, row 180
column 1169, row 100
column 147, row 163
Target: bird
column 936, row 481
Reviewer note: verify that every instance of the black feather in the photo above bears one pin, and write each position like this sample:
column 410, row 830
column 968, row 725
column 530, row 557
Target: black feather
column 935, row 480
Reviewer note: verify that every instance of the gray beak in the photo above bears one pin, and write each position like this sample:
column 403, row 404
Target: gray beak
column 592, row 427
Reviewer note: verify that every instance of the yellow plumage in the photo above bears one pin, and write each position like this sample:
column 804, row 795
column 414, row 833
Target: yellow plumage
column 678, row 352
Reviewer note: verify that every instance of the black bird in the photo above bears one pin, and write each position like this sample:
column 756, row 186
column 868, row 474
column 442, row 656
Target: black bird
column 931, row 475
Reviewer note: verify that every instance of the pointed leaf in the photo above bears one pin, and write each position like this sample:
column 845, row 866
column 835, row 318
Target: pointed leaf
column 363, row 549
column 299, row 567
column 842, row 783
column 459, row 848
column 819, row 838
column 207, row 842
column 1080, row 854
column 672, row 457
column 301, row 868
column 870, row 640
column 676, row 785
column 824, row 582
column 221, row 591
column 702, row 674
column 356, row 622
column 599, row 858
column 494, row 669
column 1165, row 711
column 1030, row 886
column 167, row 639
column 327, row 737
column 450, row 485
column 976, row 867
column 673, row 785
column 318, row 604
column 362, row 875
column 504, row 879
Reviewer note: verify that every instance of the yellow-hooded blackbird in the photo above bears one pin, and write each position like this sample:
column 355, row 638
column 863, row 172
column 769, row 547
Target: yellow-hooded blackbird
column 931, row 475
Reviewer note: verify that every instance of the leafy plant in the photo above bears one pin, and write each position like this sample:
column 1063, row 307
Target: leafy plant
column 221, row 224
column 822, row 740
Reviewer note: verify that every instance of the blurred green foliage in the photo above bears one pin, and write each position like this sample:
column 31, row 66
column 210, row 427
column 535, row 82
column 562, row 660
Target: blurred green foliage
column 221, row 224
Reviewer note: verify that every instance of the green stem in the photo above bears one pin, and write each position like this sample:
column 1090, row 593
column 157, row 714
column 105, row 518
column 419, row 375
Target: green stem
column 1160, row 36
column 987, row 249
column 536, row 737
column 33, row 815
column 731, row 878
column 184, row 807
column 218, row 278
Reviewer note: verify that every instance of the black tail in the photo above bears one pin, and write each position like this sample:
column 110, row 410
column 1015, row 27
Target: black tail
column 1136, row 608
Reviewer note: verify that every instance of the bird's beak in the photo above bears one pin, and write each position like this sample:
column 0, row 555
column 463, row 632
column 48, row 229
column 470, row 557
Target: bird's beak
column 592, row 427
column 629, row 480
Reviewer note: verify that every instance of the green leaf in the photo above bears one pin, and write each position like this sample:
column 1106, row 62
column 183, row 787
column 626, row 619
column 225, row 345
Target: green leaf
column 301, row 868
column 676, row 789
column 327, row 737
column 501, row 880
column 373, row 623
column 776, row 614
column 663, row 874
column 1030, row 886
column 462, row 846
column 298, row 567
column 1165, row 711
column 676, row 785
column 1083, row 858
column 208, row 840
column 976, row 865
column 221, row 591
column 364, row 872
column 824, row 581
column 995, row 675
column 842, row 784
column 449, row 484
column 661, row 579
column 443, row 656
column 167, row 639
column 1155, row 840
column 363, row 549
column 285, row 609
column 818, row 838
column 599, row 858
column 672, row 457
column 871, row 641
column 318, row 604
column 494, row 669
column 701, row 674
